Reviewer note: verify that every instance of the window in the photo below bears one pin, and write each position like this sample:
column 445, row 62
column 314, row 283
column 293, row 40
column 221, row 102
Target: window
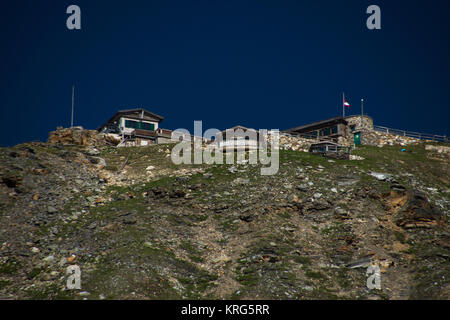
column 139, row 125
column 147, row 126
column 325, row 132
column 130, row 124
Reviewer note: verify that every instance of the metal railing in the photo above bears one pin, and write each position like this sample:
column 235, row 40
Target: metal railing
column 411, row 134
column 329, row 148
column 123, row 142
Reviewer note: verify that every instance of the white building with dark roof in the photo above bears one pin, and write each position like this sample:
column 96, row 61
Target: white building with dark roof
column 137, row 127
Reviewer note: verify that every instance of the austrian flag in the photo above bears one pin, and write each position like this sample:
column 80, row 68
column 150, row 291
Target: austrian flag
column 346, row 103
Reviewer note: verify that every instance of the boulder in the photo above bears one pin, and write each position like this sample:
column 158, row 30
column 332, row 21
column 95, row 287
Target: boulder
column 418, row 212
column 438, row 149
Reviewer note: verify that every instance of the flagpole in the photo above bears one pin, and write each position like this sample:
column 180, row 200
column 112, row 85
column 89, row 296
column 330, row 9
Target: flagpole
column 343, row 106
column 73, row 98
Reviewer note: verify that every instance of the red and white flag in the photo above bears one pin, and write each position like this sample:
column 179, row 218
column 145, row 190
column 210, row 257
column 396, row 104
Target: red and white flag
column 346, row 103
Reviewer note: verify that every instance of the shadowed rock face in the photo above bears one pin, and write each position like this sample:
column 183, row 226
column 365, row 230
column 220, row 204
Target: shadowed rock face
column 418, row 212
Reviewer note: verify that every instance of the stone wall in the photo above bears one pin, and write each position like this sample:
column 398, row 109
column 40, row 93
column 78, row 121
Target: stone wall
column 366, row 123
column 368, row 137
column 375, row 138
column 346, row 141
column 162, row 140
column 295, row 143
column 438, row 149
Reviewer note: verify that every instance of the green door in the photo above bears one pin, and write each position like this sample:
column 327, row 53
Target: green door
column 357, row 138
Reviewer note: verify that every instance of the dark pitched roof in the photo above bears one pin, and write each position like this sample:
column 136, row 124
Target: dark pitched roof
column 146, row 112
column 129, row 112
column 317, row 124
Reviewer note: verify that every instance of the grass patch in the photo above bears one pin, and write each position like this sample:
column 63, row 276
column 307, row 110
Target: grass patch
column 314, row 274
column 50, row 292
column 302, row 260
column 4, row 284
column 10, row 267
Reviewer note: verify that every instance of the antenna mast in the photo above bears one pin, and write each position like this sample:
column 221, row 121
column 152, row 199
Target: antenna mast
column 362, row 113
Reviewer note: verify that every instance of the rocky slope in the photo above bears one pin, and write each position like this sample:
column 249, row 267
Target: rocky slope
column 140, row 227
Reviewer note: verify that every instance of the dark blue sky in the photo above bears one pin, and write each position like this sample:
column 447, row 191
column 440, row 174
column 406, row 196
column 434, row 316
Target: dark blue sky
column 262, row 64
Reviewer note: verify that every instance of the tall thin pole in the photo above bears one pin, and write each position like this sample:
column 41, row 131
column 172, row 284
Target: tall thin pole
column 362, row 113
column 73, row 100
column 343, row 106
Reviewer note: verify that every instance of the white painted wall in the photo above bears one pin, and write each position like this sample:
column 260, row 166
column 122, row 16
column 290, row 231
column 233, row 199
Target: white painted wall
column 238, row 143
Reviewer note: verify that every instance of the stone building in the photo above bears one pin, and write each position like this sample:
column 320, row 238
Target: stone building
column 345, row 131
column 349, row 131
column 358, row 127
column 358, row 122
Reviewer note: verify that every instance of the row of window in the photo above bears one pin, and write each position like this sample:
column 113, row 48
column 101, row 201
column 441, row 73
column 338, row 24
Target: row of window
column 328, row 131
column 139, row 125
